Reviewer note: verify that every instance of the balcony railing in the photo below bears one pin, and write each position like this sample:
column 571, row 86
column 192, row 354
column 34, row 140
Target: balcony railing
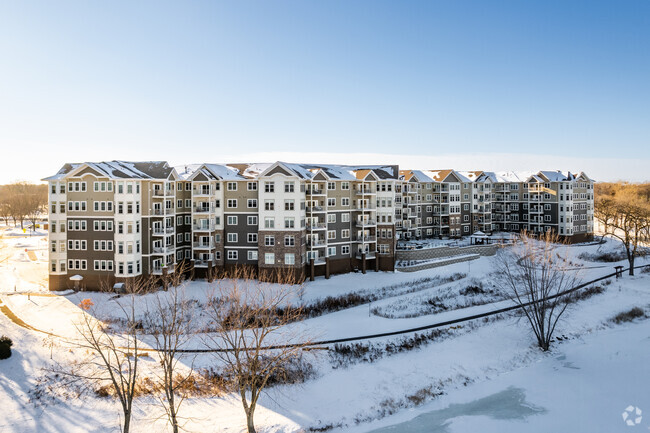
column 203, row 245
column 365, row 191
column 315, row 191
column 365, row 223
column 365, row 239
column 316, row 242
column 317, row 226
column 203, row 227
column 163, row 192
column 165, row 211
column 162, row 231
column 315, row 209
column 203, row 209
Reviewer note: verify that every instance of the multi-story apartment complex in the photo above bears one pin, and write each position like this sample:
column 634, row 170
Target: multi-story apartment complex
column 111, row 221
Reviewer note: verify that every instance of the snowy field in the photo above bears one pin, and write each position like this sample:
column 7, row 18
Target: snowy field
column 485, row 375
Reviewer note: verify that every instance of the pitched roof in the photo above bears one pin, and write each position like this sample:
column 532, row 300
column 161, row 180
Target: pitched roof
column 119, row 169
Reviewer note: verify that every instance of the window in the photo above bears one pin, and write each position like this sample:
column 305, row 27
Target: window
column 331, row 186
column 345, row 233
column 345, row 201
column 331, row 251
column 289, row 259
column 269, row 241
column 232, row 237
column 331, row 218
column 269, row 223
column 289, row 223
column 252, row 203
column 345, row 217
column 251, row 186
column 231, row 186
column 331, row 202
column 269, row 186
column 269, row 258
column 252, row 238
column 289, row 241
column 232, row 254
column 232, row 203
column 232, row 220
column 252, row 220
column 345, row 249
column 288, row 186
column 331, row 234
column 269, row 204
column 252, row 255
column 345, row 185
column 289, row 205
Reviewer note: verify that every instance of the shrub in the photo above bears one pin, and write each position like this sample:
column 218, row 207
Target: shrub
column 628, row 316
column 5, row 347
column 5, row 351
column 6, row 340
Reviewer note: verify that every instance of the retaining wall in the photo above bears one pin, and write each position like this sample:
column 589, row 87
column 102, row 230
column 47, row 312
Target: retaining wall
column 440, row 252
column 436, row 264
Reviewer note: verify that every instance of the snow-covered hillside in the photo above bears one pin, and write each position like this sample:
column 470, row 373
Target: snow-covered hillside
column 485, row 373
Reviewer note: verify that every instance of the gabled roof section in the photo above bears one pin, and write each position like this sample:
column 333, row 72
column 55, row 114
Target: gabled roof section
column 118, row 170
column 472, row 176
column 437, row 175
column 416, row 175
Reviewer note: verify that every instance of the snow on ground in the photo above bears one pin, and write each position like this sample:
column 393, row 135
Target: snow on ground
column 483, row 370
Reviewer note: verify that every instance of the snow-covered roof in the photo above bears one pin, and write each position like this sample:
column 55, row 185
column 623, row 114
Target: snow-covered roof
column 118, row 170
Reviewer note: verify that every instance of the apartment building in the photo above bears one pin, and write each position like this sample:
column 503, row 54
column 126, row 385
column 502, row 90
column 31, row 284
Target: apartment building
column 111, row 221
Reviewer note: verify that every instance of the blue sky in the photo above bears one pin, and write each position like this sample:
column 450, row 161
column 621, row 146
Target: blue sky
column 554, row 82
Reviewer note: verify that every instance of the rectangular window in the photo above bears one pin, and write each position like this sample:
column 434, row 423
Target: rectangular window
column 331, row 202
column 345, row 249
column 232, row 237
column 289, row 223
column 269, row 204
column 289, row 241
column 252, row 238
column 345, row 233
column 232, row 203
column 252, row 255
column 289, row 259
column 289, row 205
column 269, row 223
column 232, row 255
column 231, row 186
column 269, row 187
column 232, row 220
column 288, row 186
column 269, row 241
column 252, row 220
column 251, row 203
column 251, row 186
column 331, row 251
column 331, row 186
column 269, row 258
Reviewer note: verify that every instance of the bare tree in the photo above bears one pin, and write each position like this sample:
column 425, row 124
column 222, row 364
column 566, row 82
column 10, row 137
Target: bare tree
column 169, row 320
column 114, row 349
column 249, row 314
column 627, row 219
column 534, row 275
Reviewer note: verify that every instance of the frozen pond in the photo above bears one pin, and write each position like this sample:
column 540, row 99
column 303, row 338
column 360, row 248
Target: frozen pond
column 509, row 404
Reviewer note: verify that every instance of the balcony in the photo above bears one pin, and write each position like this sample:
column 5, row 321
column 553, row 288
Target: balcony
column 203, row 209
column 201, row 192
column 317, row 226
column 159, row 231
column 365, row 239
column 203, row 245
column 313, row 209
column 161, row 212
column 163, row 192
column 369, row 255
column 365, row 191
column 365, row 223
column 314, row 243
column 315, row 191
column 158, row 270
column 203, row 227
column 159, row 250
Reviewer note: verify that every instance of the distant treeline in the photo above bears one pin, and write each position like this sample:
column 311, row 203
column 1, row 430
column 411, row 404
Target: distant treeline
column 22, row 201
column 623, row 190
